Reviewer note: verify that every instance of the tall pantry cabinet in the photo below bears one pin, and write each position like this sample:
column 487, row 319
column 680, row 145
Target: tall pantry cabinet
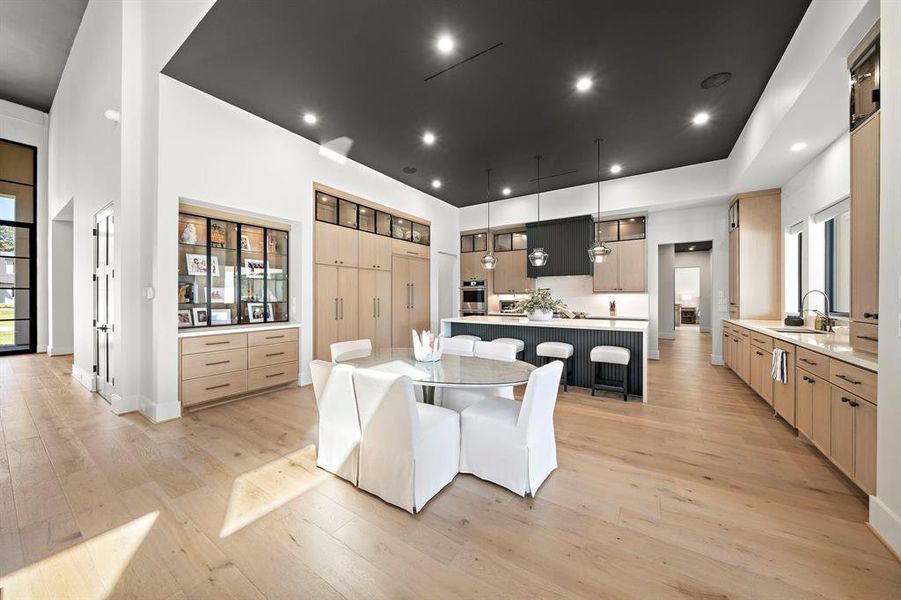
column 755, row 255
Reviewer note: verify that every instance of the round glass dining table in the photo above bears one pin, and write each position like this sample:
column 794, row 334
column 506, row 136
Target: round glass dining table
column 451, row 371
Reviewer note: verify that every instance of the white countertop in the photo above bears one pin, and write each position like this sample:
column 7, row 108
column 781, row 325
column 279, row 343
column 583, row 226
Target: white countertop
column 835, row 345
column 222, row 329
column 613, row 318
column 619, row 325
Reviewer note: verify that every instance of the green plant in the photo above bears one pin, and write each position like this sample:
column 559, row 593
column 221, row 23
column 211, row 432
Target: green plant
column 539, row 300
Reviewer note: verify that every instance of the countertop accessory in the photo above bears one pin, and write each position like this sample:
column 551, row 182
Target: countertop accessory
column 794, row 321
column 540, row 306
column 598, row 251
column 426, row 346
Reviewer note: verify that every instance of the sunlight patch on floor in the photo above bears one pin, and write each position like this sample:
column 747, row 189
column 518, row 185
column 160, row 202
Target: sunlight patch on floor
column 89, row 570
column 257, row 493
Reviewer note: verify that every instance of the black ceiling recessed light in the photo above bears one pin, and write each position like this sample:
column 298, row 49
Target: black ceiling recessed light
column 409, row 170
column 716, row 80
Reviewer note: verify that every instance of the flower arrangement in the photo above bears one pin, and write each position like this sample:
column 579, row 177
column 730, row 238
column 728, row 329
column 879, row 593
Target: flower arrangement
column 540, row 305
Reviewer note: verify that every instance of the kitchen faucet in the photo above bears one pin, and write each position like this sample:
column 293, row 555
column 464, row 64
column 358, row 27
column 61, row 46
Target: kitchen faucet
column 826, row 317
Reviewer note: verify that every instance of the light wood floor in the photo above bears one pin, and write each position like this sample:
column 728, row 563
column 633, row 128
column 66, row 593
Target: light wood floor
column 701, row 494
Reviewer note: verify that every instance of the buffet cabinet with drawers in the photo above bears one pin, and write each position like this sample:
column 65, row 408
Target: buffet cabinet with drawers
column 236, row 363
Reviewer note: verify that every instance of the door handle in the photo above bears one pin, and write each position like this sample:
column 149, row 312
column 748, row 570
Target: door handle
column 412, row 295
column 373, row 307
column 378, row 307
column 336, row 309
column 102, row 327
column 342, row 309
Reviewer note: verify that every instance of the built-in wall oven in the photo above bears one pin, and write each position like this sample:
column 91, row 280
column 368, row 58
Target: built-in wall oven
column 473, row 298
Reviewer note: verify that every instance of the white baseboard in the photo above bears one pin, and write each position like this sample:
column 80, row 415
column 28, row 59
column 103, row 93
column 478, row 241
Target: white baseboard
column 653, row 354
column 704, row 329
column 716, row 359
column 122, row 405
column 59, row 350
column 666, row 335
column 40, row 348
column 88, row 380
column 159, row 412
column 885, row 523
column 304, row 379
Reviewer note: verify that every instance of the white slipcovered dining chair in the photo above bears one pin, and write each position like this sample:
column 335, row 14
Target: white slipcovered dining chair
column 338, row 448
column 459, row 399
column 408, row 451
column 342, row 351
column 456, row 345
column 510, row 444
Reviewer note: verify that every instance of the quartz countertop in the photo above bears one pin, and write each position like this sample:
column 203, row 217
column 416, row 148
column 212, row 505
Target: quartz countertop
column 223, row 329
column 835, row 345
column 620, row 325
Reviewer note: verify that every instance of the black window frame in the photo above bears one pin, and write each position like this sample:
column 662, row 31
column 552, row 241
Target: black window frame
column 377, row 212
column 829, row 266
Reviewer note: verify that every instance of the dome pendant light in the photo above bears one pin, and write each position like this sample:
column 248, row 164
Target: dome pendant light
column 538, row 257
column 598, row 251
column 489, row 261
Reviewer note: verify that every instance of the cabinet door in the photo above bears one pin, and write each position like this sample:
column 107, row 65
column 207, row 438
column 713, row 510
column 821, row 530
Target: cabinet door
column 348, row 304
column 367, row 319
column 733, row 268
column 756, row 376
column 804, row 403
column 383, row 253
column 606, row 274
column 865, row 445
column 326, row 306
column 348, row 246
column 632, row 266
column 783, row 399
column 727, row 349
column 865, row 221
column 504, row 277
column 382, row 338
column 744, row 357
column 400, row 303
column 368, row 251
column 820, row 413
column 520, row 261
column 325, row 243
column 471, row 267
column 420, row 297
column 841, row 441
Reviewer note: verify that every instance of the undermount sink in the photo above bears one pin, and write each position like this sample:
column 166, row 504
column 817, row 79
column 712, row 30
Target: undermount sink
column 796, row 330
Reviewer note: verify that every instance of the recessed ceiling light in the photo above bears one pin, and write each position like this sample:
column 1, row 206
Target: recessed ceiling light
column 691, row 247
column 445, row 44
column 309, row 118
column 616, row 169
column 583, row 84
column 700, row 118
column 798, row 146
column 428, row 138
column 506, row 191
column 436, row 183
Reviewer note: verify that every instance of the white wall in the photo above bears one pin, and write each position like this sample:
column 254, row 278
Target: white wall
column 701, row 260
column 666, row 282
column 578, row 294
column 885, row 507
column 214, row 152
column 28, row 126
column 60, row 323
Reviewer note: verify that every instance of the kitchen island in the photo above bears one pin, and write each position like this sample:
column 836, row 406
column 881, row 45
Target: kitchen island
column 583, row 334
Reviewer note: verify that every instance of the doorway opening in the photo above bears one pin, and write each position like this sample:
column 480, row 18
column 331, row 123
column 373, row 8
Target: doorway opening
column 687, row 297
column 60, row 323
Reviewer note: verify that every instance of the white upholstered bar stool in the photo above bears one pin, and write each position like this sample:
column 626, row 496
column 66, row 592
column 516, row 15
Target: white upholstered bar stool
column 471, row 338
column 614, row 355
column 549, row 351
column 520, row 345
column 342, row 351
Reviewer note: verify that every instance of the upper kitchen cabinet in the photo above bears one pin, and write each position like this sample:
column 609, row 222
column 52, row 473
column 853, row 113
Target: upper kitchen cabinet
column 755, row 255
column 511, row 273
column 625, row 269
column 473, row 247
column 863, row 63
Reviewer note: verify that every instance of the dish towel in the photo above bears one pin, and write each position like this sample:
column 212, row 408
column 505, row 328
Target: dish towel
column 780, row 366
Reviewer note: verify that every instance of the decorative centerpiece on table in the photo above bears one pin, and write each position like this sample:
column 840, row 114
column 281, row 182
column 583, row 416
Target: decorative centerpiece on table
column 426, row 346
column 540, row 305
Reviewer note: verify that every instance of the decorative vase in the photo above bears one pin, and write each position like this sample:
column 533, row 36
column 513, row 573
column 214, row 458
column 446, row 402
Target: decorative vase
column 426, row 347
column 541, row 315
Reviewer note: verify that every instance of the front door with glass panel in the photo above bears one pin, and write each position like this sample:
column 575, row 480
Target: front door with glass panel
column 104, row 327
column 18, row 245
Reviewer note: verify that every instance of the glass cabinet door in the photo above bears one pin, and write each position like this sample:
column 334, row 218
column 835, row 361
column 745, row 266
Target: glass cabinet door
column 367, row 219
column 276, row 275
column 253, row 274
column 326, row 208
column 223, row 300
column 383, row 223
column 422, row 234
column 193, row 271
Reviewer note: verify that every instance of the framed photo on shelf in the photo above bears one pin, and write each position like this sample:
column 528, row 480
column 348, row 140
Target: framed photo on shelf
column 185, row 293
column 245, row 243
column 184, row 318
column 200, row 316
column 253, row 267
column 217, row 235
column 217, row 294
column 197, row 264
column 255, row 312
column 220, row 316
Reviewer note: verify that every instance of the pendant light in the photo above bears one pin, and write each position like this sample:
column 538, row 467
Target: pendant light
column 598, row 251
column 538, row 257
column 489, row 261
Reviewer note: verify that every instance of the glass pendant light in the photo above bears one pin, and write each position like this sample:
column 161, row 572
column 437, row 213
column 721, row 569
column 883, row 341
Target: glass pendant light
column 489, row 261
column 538, row 257
column 598, row 251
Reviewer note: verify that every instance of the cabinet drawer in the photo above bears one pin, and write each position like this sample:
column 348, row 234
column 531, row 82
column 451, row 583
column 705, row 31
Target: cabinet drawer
column 271, row 354
column 813, row 362
column 213, row 363
column 204, row 389
column 854, row 379
column 264, row 377
column 865, row 336
column 212, row 343
column 272, row 336
column 764, row 342
column 409, row 248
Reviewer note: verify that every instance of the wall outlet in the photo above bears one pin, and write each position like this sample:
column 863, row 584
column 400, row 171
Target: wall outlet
column 149, row 293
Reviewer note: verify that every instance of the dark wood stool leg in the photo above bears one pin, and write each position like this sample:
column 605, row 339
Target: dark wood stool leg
column 593, row 372
column 626, row 382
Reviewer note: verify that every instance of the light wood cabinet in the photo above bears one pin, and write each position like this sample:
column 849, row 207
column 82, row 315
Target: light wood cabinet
column 374, row 251
column 336, row 307
column 865, row 232
column 335, row 244
column 743, row 356
column 865, row 446
column 755, row 255
column 409, row 249
column 783, row 399
column 410, row 295
column 761, row 380
column 471, row 267
column 375, row 307
column 510, row 273
column 814, row 407
column 841, row 440
column 727, row 349
column 624, row 270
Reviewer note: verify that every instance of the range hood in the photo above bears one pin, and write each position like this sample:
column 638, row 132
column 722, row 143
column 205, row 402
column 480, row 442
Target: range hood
column 565, row 241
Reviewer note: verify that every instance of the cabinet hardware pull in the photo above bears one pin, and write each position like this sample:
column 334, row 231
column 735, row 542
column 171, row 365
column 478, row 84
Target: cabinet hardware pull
column 336, row 262
column 275, row 374
column 412, row 252
column 869, row 315
column 218, row 362
column 373, row 307
column 845, row 399
column 336, row 309
column 216, row 387
column 378, row 307
column 759, row 353
column 869, row 338
column 854, row 404
column 274, row 337
column 412, row 295
column 342, row 309
column 217, row 343
column 809, row 362
column 274, row 354
column 848, row 379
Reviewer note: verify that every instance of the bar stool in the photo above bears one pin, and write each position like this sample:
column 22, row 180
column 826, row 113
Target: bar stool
column 520, row 345
column 559, row 351
column 614, row 355
column 471, row 338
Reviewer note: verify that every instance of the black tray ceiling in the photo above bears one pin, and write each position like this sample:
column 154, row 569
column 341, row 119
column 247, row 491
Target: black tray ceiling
column 360, row 66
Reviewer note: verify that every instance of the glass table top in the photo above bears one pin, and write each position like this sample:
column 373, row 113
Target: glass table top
column 450, row 371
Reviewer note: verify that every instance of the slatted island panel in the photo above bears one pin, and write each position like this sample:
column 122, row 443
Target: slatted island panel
column 583, row 334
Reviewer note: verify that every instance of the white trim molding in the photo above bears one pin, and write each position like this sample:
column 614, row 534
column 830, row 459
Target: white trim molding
column 157, row 413
column 88, row 380
column 886, row 524
column 61, row 351
column 124, row 405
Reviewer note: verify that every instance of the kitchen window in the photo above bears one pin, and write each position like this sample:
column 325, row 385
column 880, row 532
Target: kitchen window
column 838, row 262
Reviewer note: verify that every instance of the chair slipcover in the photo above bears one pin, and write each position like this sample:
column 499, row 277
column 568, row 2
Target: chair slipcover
column 459, row 399
column 495, row 351
column 456, row 345
column 342, row 351
column 520, row 345
column 471, row 338
column 408, row 451
column 338, row 447
column 510, row 444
